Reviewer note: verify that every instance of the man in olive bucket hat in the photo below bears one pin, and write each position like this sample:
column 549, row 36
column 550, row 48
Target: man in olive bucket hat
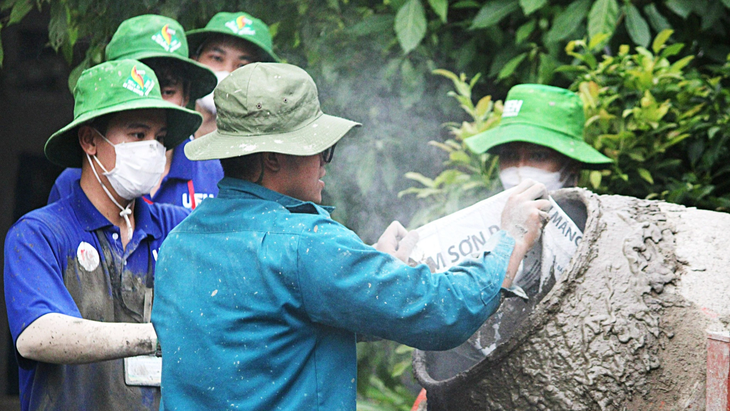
column 540, row 137
column 281, row 289
column 229, row 41
column 160, row 43
column 79, row 272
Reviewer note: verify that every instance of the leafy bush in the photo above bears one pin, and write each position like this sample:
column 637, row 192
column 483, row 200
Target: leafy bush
column 469, row 177
column 664, row 125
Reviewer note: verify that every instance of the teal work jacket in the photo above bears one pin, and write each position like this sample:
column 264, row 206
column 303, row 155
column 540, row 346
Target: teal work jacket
column 259, row 297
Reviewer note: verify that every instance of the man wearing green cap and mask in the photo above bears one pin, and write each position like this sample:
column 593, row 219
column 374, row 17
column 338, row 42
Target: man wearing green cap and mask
column 79, row 272
column 540, row 137
column 160, row 43
column 229, row 41
column 281, row 289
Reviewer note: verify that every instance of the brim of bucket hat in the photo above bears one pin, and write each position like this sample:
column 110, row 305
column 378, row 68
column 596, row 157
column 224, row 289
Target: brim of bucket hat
column 63, row 146
column 515, row 132
column 197, row 37
column 313, row 138
column 202, row 79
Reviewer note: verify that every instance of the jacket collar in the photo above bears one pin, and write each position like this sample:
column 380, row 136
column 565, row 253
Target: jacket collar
column 237, row 188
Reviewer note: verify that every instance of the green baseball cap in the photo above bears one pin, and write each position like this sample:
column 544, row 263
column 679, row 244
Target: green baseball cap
column 268, row 107
column 112, row 87
column 152, row 36
column 543, row 115
column 240, row 25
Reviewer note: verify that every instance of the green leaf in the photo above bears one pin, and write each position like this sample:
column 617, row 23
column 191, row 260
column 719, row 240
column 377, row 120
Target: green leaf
column 410, row 25
column 682, row 8
column 440, row 7
column 637, row 27
column 529, row 6
column 467, row 4
column 399, row 368
column 20, row 9
column 595, row 178
column 493, row 12
column 376, row 23
column 672, row 50
column 420, row 178
column 657, row 21
column 366, row 172
column 388, row 171
column 524, row 31
column 602, row 17
column 403, row 349
column 511, row 66
column 680, row 64
column 660, row 40
column 645, row 174
column 568, row 21
column 58, row 26
column 76, row 73
column 726, row 3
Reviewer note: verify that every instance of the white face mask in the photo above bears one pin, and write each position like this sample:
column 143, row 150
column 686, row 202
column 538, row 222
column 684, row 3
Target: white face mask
column 139, row 167
column 207, row 101
column 512, row 176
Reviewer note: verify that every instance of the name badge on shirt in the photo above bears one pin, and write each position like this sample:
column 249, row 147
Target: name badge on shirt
column 143, row 370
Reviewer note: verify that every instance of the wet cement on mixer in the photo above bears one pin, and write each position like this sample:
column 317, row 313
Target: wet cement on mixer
column 622, row 329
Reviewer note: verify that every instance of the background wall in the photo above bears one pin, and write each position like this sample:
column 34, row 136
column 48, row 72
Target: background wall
column 34, row 102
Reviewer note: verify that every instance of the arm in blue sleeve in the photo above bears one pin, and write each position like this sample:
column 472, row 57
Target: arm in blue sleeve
column 33, row 275
column 348, row 284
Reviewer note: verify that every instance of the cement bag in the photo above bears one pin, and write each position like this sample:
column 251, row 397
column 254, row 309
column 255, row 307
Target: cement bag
column 624, row 326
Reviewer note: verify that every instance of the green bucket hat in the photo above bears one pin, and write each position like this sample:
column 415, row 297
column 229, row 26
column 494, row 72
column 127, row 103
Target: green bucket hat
column 268, row 107
column 543, row 115
column 151, row 36
column 240, row 25
column 112, row 87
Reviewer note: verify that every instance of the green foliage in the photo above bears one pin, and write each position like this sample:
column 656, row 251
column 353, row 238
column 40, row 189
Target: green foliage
column 384, row 372
column 468, row 177
column 664, row 124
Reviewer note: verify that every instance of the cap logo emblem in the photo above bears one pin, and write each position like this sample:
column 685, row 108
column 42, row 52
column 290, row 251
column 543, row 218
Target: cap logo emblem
column 241, row 26
column 511, row 108
column 167, row 39
column 139, row 83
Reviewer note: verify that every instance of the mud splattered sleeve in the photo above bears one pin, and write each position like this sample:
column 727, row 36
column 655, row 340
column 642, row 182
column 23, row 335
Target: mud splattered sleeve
column 35, row 258
column 348, row 284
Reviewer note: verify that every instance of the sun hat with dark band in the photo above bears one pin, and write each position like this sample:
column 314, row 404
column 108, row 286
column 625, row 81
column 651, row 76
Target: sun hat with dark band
column 543, row 115
column 240, row 25
column 113, row 87
column 156, row 37
column 268, row 107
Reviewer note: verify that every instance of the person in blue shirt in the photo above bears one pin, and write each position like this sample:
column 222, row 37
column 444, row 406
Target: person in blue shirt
column 260, row 294
column 79, row 273
column 160, row 42
column 229, row 41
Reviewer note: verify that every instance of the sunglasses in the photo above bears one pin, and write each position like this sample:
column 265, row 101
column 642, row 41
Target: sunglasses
column 328, row 153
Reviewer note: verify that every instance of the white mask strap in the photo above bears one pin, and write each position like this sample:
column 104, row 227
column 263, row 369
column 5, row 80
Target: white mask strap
column 126, row 211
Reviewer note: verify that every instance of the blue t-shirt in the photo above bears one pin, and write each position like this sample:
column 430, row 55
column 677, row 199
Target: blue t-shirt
column 280, row 291
column 187, row 179
column 55, row 263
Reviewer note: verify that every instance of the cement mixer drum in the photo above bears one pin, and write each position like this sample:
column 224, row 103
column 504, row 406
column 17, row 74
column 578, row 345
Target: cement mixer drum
column 625, row 327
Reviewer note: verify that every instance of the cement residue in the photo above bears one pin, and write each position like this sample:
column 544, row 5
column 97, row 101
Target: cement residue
column 615, row 333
